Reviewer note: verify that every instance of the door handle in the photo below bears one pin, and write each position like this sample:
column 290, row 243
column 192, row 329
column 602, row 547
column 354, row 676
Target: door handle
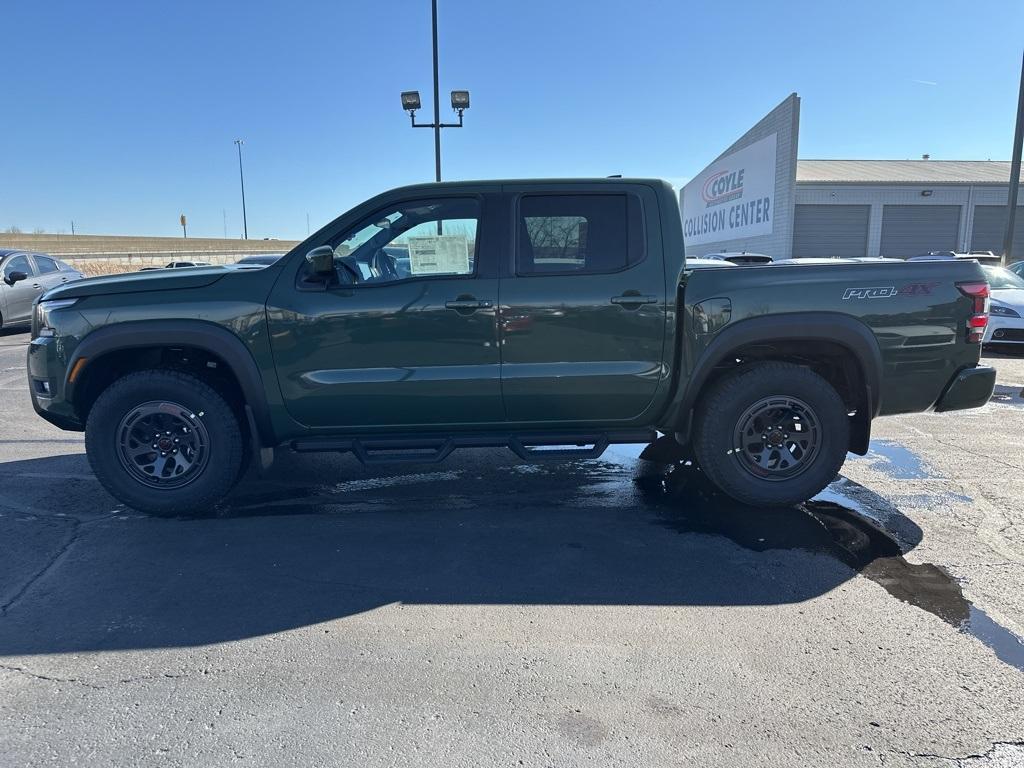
column 633, row 300
column 467, row 303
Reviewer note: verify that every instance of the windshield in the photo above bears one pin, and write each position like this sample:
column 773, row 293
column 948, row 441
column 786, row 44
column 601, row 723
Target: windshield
column 1002, row 278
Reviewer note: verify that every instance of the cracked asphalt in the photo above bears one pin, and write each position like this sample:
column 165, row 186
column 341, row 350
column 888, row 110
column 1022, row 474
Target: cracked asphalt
column 485, row 612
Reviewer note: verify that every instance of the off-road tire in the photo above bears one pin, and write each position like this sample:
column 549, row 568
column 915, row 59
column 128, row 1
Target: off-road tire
column 221, row 470
column 720, row 411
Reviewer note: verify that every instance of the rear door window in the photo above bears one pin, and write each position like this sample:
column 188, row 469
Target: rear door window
column 573, row 233
column 46, row 265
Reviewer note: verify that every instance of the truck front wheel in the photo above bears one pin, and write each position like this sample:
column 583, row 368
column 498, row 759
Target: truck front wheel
column 164, row 442
column 771, row 434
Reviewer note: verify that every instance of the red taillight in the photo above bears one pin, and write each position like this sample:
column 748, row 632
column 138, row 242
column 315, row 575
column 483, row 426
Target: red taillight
column 978, row 321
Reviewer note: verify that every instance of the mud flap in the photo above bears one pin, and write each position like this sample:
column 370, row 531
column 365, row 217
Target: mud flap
column 262, row 456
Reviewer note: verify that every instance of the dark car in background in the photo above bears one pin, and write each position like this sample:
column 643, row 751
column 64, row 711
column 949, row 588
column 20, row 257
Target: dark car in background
column 24, row 276
column 179, row 265
column 741, row 257
column 260, row 260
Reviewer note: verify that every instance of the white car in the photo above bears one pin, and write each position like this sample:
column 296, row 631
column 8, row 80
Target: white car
column 705, row 263
column 1006, row 306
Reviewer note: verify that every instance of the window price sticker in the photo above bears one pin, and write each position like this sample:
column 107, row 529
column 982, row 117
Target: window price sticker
column 439, row 255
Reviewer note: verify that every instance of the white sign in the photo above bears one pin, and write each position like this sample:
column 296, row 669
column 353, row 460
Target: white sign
column 732, row 198
column 439, row 255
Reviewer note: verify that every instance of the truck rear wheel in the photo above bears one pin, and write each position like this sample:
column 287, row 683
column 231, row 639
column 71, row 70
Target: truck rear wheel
column 164, row 442
column 772, row 434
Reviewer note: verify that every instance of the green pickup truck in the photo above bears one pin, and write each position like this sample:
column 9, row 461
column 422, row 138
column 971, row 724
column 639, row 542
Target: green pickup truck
column 553, row 317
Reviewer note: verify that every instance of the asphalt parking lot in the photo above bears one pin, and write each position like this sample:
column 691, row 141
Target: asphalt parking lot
column 483, row 612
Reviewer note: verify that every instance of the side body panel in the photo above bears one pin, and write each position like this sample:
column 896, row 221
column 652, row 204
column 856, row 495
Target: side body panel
column 336, row 360
column 914, row 312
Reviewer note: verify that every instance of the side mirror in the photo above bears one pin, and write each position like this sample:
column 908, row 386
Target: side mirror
column 15, row 277
column 321, row 260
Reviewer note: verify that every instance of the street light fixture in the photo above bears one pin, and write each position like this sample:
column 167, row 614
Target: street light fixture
column 411, row 102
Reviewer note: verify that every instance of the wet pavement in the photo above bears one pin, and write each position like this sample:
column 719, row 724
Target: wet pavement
column 483, row 611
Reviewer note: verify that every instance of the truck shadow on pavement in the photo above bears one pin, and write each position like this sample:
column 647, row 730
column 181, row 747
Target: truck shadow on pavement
column 79, row 573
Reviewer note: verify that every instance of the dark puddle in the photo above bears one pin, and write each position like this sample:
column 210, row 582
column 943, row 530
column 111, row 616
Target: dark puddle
column 829, row 528
column 896, row 461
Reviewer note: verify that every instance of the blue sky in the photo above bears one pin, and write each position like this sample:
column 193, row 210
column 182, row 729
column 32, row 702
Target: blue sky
column 120, row 114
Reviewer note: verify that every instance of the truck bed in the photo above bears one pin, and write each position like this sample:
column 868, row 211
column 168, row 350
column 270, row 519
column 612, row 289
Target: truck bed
column 914, row 311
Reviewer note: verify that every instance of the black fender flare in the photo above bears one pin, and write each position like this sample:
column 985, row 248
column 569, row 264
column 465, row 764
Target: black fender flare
column 831, row 327
column 211, row 338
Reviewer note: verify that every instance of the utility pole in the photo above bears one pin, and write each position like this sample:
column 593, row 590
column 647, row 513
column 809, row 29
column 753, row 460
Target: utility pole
column 72, row 226
column 1011, row 204
column 307, row 223
column 241, row 179
column 224, row 213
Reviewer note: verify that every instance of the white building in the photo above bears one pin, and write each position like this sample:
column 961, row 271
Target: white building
column 757, row 196
column 902, row 208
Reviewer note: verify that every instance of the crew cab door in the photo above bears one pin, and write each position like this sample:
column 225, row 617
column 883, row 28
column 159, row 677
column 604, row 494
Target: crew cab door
column 405, row 334
column 583, row 303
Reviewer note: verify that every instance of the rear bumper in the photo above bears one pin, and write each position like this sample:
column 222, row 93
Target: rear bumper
column 970, row 388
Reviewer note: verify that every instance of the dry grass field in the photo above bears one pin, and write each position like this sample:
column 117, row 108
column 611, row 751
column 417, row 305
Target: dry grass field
column 96, row 268
column 96, row 255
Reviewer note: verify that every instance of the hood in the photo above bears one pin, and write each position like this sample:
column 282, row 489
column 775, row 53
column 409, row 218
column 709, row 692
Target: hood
column 135, row 282
column 1011, row 297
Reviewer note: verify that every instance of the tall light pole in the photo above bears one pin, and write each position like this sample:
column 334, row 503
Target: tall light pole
column 241, row 179
column 1011, row 203
column 411, row 102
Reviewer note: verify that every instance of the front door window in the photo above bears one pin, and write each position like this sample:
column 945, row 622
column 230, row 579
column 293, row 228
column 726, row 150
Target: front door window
column 411, row 241
column 17, row 264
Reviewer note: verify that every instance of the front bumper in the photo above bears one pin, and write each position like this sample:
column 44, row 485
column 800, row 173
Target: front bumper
column 1009, row 330
column 970, row 388
column 46, row 367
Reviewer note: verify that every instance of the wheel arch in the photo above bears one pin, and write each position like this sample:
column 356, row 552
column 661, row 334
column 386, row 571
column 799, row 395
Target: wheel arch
column 840, row 348
column 138, row 338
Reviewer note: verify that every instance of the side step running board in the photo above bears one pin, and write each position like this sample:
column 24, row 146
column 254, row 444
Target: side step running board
column 427, row 448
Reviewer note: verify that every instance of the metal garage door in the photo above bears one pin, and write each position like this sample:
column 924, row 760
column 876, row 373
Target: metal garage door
column 909, row 230
column 990, row 227
column 830, row 230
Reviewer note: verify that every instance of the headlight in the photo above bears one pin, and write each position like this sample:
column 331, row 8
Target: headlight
column 1000, row 311
column 43, row 311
